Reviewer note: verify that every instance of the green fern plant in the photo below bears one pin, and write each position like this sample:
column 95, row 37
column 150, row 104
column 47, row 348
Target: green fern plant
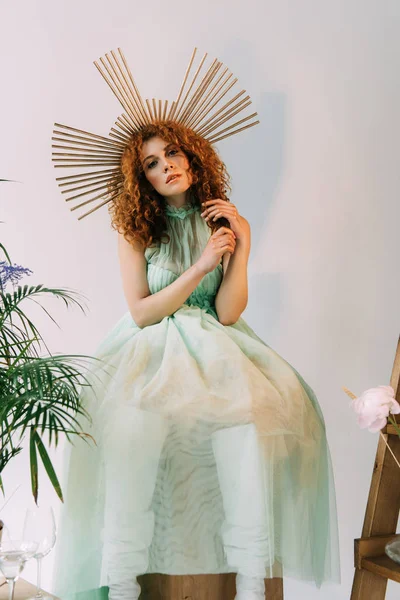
column 40, row 396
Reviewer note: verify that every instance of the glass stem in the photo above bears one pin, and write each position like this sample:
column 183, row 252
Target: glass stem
column 39, row 577
column 11, row 584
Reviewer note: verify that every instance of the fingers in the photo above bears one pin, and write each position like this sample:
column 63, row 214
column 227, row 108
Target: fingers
column 226, row 248
column 225, row 241
column 222, row 231
column 218, row 214
column 219, row 209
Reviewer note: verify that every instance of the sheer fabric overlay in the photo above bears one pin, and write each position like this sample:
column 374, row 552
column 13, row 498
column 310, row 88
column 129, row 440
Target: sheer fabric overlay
column 211, row 452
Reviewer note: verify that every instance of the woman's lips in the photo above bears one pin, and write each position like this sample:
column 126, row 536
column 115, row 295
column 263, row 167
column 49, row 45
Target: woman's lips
column 174, row 179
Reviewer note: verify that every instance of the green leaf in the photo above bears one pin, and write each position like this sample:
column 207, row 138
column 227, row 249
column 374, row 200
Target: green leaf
column 5, row 251
column 34, row 464
column 39, row 395
column 48, row 466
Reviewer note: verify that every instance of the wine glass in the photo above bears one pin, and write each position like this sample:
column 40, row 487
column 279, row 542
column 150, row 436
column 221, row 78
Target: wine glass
column 13, row 556
column 40, row 526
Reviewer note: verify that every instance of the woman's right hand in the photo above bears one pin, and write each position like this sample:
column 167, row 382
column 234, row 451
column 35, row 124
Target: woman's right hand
column 223, row 240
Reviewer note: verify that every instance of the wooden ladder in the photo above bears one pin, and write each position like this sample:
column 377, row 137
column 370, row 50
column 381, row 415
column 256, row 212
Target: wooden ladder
column 372, row 567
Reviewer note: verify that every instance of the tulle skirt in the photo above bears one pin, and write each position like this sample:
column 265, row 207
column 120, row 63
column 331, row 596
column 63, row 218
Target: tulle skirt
column 205, row 437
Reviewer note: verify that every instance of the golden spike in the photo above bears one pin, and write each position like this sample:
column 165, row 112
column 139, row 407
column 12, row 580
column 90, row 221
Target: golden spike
column 165, row 110
column 217, row 133
column 122, row 136
column 201, row 93
column 149, row 109
column 125, row 91
column 123, row 117
column 113, row 134
column 215, row 99
column 134, row 85
column 86, row 144
column 95, row 151
column 96, row 155
column 121, row 100
column 122, row 125
column 155, row 109
column 227, row 115
column 159, row 109
column 116, row 90
column 205, row 102
column 93, row 180
column 190, row 87
column 103, row 195
column 101, row 187
column 93, row 135
column 215, row 103
column 139, row 110
column 211, row 120
column 171, row 109
column 88, row 161
column 87, row 185
column 233, row 132
column 183, row 83
column 192, row 102
column 76, row 163
column 77, row 188
column 94, row 173
column 85, row 164
column 97, row 207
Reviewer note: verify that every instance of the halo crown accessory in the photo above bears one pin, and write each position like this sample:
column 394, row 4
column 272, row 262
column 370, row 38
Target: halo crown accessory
column 202, row 105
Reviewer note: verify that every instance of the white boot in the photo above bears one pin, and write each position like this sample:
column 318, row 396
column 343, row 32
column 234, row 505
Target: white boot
column 133, row 443
column 247, row 531
column 249, row 588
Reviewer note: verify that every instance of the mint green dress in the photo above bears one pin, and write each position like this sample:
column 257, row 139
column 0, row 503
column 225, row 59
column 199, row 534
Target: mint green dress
column 173, row 386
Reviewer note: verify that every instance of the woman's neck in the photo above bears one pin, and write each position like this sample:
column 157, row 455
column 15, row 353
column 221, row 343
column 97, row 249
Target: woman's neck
column 179, row 200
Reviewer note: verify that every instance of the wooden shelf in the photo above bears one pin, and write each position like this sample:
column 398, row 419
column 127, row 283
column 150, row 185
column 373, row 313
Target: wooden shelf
column 382, row 565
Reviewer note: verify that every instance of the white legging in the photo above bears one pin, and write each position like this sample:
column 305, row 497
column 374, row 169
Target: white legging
column 132, row 447
column 133, row 443
column 247, row 531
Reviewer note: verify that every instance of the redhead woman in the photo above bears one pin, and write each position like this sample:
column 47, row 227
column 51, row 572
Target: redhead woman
column 211, row 452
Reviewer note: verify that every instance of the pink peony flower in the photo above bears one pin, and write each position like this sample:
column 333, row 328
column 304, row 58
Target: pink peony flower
column 373, row 407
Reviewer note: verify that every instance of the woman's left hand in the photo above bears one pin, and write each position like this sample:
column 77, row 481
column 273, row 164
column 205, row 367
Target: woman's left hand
column 217, row 208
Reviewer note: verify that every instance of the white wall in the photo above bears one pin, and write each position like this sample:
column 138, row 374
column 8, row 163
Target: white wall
column 318, row 181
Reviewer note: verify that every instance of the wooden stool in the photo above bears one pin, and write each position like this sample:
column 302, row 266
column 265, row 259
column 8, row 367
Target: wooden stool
column 156, row 586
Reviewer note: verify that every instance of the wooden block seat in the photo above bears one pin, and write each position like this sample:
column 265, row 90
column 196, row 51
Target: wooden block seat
column 156, row 586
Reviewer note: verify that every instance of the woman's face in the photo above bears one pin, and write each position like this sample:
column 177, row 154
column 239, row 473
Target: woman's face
column 166, row 167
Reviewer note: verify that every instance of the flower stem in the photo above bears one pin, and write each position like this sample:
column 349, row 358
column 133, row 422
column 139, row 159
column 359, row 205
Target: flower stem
column 391, row 451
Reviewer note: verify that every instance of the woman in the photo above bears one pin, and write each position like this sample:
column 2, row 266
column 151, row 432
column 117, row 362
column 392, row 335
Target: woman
column 212, row 455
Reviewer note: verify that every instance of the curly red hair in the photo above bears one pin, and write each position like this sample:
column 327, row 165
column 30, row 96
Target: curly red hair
column 138, row 210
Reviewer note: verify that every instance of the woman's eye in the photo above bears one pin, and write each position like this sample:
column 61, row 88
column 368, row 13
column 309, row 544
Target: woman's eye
column 154, row 162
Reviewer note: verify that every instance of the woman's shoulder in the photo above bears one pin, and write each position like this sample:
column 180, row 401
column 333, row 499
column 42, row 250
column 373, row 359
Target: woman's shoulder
column 125, row 243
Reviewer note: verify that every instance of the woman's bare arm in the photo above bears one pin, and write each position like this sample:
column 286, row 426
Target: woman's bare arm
column 232, row 295
column 145, row 308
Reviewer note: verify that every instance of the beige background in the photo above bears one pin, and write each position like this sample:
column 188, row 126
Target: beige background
column 318, row 180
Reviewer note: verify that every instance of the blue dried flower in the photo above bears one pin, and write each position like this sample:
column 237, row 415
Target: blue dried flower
column 11, row 273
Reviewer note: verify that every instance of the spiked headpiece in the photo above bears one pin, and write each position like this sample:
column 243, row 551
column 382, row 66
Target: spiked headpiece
column 199, row 108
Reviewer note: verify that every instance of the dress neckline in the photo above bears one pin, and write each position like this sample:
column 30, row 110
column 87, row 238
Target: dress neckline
column 183, row 211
